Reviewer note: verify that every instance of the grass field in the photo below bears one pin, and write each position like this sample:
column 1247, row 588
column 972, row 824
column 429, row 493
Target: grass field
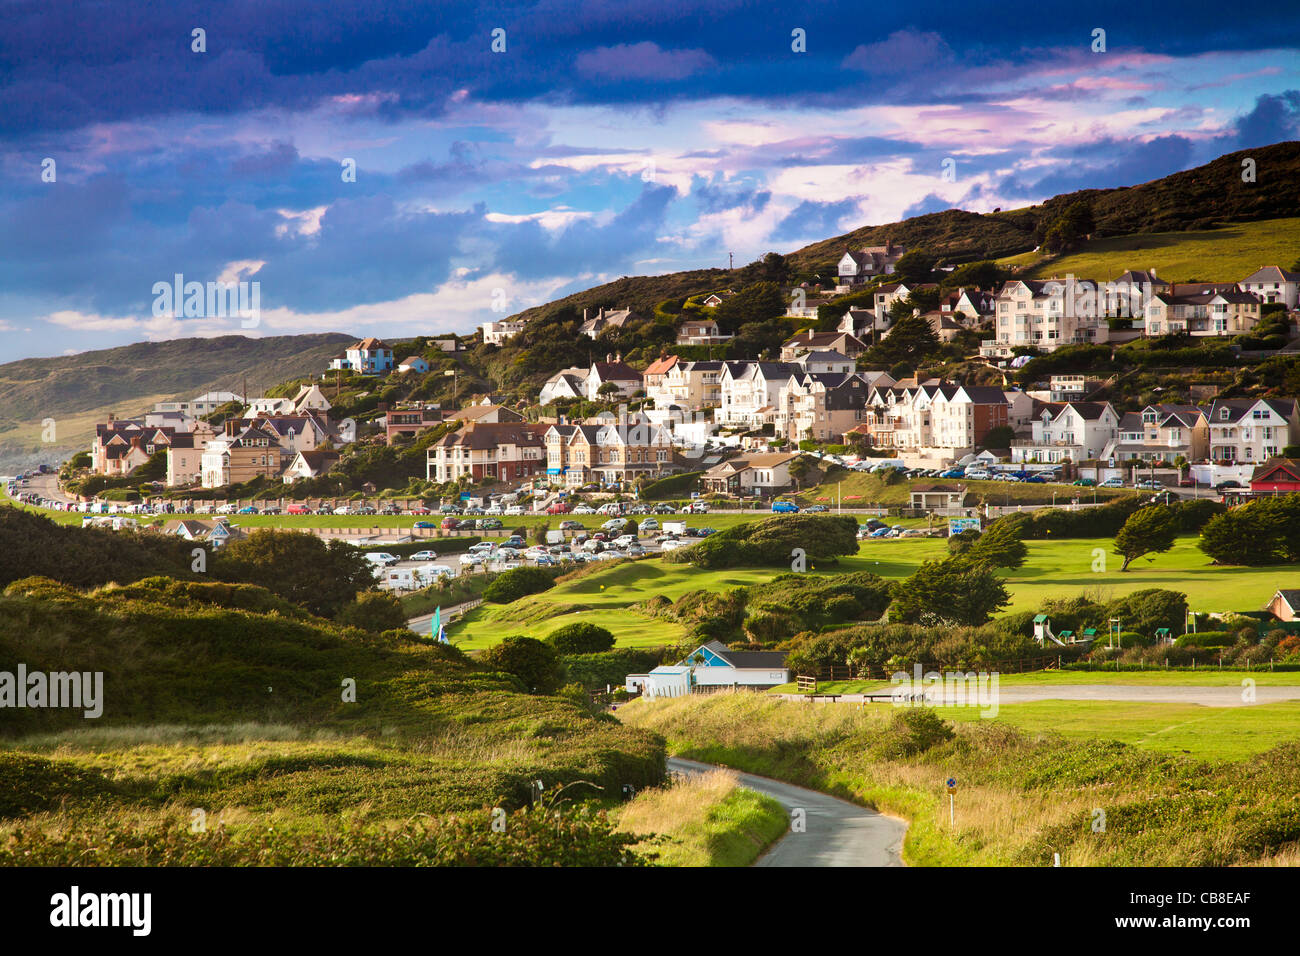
column 859, row 490
column 1215, row 255
column 1211, row 733
column 1212, row 677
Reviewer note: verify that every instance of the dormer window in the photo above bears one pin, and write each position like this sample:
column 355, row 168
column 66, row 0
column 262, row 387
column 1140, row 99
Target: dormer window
column 1223, row 414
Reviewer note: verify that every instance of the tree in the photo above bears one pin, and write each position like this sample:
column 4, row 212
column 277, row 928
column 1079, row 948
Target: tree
column 1000, row 436
column 1244, row 535
column 999, row 547
column 911, row 339
column 1150, row 530
column 373, row 611
column 771, row 268
column 754, row 303
column 581, row 638
column 533, row 662
column 914, row 266
column 299, row 567
column 608, row 391
column 950, row 592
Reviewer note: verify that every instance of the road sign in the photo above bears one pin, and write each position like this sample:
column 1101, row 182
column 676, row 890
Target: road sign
column 951, row 784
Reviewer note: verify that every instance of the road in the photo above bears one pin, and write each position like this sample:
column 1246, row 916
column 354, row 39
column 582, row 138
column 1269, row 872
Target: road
column 838, row 833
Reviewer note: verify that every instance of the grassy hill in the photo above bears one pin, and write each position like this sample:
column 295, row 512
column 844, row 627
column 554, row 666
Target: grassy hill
column 1200, row 255
column 227, row 700
column 79, row 390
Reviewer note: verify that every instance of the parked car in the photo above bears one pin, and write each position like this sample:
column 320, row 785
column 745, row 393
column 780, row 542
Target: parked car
column 424, row 525
column 297, row 510
column 1186, row 482
column 613, row 524
column 1226, row 484
column 571, row 525
column 781, row 507
column 696, row 508
column 425, row 555
column 515, row 510
column 447, row 524
column 649, row 524
column 705, row 532
column 816, row 509
column 382, row 558
column 1149, row 484
column 558, row 508
column 343, row 510
column 584, row 510
column 1115, row 482
column 663, row 510
column 490, row 524
column 1084, row 482
column 247, row 510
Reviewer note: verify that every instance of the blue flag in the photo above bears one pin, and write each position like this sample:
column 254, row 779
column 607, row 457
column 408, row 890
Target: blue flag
column 436, row 630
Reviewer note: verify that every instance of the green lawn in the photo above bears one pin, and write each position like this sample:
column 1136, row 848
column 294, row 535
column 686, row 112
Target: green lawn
column 1212, row 677
column 1055, row 569
column 862, row 490
column 1215, row 733
column 1227, row 254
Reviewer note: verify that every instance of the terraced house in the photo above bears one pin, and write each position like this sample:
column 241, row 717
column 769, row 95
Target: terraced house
column 577, row 454
column 1042, row 315
column 241, row 454
column 504, row 451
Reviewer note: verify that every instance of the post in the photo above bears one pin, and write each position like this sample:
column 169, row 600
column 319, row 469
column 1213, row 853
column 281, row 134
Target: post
column 952, row 810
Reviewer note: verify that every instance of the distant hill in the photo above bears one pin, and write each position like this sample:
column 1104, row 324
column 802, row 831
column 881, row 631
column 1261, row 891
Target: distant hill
column 78, row 390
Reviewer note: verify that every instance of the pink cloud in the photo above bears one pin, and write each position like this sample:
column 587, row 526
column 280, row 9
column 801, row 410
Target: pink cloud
column 642, row 61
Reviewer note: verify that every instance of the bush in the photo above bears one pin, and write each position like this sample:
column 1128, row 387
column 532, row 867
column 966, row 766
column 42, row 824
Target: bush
column 581, row 638
column 519, row 582
column 595, row 671
column 375, row 612
column 535, row 664
column 912, row 731
column 1205, row 639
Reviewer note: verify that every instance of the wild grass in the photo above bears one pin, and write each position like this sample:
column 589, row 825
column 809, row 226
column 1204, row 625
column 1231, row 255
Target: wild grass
column 704, row 820
column 1022, row 796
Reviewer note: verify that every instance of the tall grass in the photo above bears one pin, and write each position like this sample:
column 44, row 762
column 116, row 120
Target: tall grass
column 1021, row 797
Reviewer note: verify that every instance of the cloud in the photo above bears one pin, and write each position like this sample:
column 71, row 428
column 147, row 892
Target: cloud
column 902, row 52
column 814, row 219
column 1275, row 118
column 642, row 61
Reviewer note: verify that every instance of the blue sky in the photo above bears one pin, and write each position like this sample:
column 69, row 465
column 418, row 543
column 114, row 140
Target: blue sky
column 608, row 139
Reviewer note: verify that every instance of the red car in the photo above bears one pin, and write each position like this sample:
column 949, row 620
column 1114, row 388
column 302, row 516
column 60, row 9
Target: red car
column 450, row 524
column 559, row 508
column 297, row 510
column 420, row 511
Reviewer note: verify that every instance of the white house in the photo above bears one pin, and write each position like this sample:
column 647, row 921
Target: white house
column 498, row 333
column 571, row 383
column 1274, row 284
column 712, row 665
column 1252, row 430
column 1077, row 431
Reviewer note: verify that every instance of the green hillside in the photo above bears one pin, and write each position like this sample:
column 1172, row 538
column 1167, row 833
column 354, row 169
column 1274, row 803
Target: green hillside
column 78, row 390
column 1196, row 256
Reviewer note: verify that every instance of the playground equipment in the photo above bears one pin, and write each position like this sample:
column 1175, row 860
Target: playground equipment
column 1043, row 633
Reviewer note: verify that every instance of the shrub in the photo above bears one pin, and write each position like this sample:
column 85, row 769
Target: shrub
column 535, row 664
column 581, row 638
column 518, row 582
column 373, row 611
column 912, row 731
column 1204, row 639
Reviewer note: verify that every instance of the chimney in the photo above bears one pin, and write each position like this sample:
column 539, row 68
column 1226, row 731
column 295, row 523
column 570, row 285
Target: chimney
column 232, row 426
column 609, row 357
column 111, row 417
column 584, row 314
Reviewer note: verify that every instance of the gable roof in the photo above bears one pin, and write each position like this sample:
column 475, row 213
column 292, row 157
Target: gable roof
column 1272, row 274
column 742, row 659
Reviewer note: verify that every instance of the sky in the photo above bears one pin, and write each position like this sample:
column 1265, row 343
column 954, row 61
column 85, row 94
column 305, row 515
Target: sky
column 378, row 168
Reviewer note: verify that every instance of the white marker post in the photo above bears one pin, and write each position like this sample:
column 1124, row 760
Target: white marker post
column 952, row 802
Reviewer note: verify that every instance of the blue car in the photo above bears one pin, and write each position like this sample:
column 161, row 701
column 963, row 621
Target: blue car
column 784, row 508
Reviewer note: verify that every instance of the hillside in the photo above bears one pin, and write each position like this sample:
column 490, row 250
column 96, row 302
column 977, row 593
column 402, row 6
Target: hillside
column 1194, row 200
column 78, row 390
column 1199, row 255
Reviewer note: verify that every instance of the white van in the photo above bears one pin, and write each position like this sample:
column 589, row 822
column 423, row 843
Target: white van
column 382, row 558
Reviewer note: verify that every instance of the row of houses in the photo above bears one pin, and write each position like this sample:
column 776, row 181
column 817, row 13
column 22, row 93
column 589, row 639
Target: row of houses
column 1235, row 431
column 276, row 437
